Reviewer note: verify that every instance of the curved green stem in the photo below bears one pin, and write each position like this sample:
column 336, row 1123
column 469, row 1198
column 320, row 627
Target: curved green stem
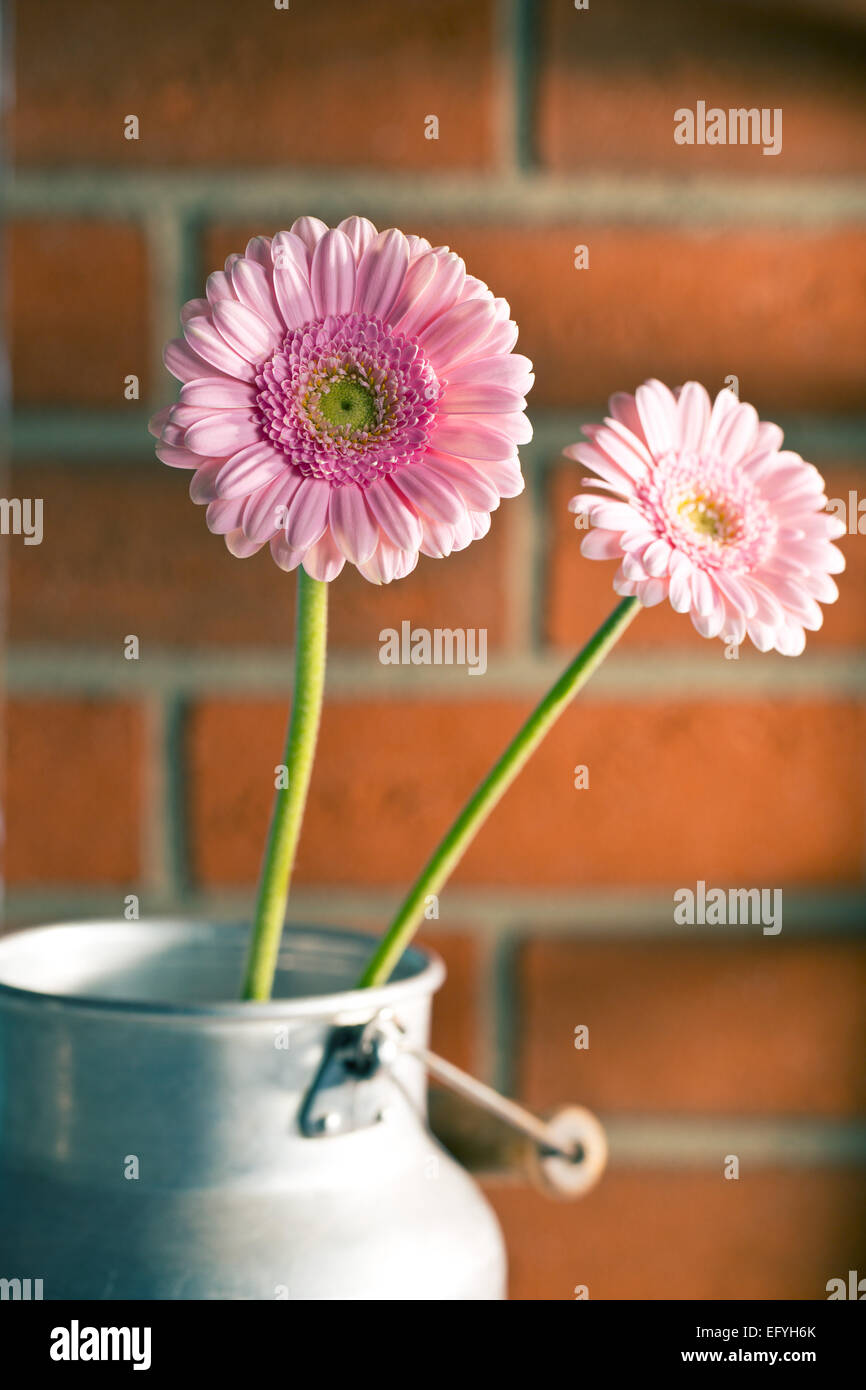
column 457, row 840
column 288, row 812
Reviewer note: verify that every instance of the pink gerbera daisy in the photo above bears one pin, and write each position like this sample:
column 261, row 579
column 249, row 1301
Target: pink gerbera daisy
column 702, row 506
column 348, row 395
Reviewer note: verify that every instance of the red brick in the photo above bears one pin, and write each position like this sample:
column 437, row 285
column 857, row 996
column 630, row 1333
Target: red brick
column 681, row 304
column 74, row 788
column 761, row 791
column 78, row 311
column 720, row 1026
column 456, row 1006
column 174, row 584
column 579, row 593
column 613, row 76
column 677, row 304
column 686, row 1235
column 341, row 85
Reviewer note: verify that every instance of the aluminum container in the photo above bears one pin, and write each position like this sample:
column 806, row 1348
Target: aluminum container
column 151, row 1140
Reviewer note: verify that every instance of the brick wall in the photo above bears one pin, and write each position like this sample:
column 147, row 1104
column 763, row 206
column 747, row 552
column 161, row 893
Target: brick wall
column 153, row 777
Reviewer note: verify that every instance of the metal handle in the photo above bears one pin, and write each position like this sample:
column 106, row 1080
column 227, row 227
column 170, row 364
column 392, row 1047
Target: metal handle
column 514, row 1115
column 568, row 1150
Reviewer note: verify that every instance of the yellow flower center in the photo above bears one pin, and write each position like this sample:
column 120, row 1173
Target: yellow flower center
column 708, row 517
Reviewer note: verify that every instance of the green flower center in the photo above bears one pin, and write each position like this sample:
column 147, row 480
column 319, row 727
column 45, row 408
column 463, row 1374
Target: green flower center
column 350, row 404
column 708, row 517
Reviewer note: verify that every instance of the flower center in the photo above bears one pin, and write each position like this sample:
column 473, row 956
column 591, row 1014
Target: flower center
column 709, row 509
column 349, row 405
column 709, row 517
column 348, row 400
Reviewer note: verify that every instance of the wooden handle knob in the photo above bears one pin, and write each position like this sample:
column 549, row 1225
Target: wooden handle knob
column 573, row 1127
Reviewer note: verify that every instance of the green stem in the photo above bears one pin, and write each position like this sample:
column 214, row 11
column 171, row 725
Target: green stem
column 454, row 844
column 288, row 813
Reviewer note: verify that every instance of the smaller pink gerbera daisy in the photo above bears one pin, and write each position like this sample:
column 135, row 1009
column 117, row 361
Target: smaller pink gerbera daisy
column 703, row 507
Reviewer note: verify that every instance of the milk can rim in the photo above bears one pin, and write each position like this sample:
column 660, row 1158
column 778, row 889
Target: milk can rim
column 345, row 1005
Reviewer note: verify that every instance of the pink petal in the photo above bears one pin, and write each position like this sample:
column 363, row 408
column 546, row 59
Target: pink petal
column 601, row 545
column 360, row 231
column 157, row 422
column 477, row 491
column 220, row 392
column 503, row 330
column 417, row 245
column 245, row 331
column 183, row 363
column 174, row 457
column 288, row 250
column 632, row 567
column 261, row 516
column 309, row 230
column 821, row 555
column 709, row 623
column 324, row 560
column 223, row 516
column 388, row 562
column 613, row 516
column 511, row 372
column 763, row 634
column 283, row 554
column 456, row 334
column 473, row 288
column 405, row 313
column 703, row 594
column 354, row 530
column 308, row 514
column 438, row 538
column 657, row 409
column 482, row 399
column 394, row 514
column 623, row 409
column 248, row 470
column 652, row 592
column 738, row 431
column 680, row 587
column 734, row 626
column 693, row 417
column 623, row 447
column 254, row 287
column 790, row 639
column 822, row 587
column 202, row 485
column 516, row 424
column 737, row 592
column 204, row 339
column 723, row 406
column 823, row 526
column 193, row 308
column 224, row 433
column 219, row 286
column 381, row 273
column 656, row 559
column 332, row 274
column 430, row 492
column 505, row 475
column 425, row 299
column 626, row 588
column 602, row 465
column 293, row 293
column 240, row 546
column 466, row 437
column 258, row 250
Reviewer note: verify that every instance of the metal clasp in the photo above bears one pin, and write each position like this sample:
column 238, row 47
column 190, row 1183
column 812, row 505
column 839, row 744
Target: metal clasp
column 568, row 1148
